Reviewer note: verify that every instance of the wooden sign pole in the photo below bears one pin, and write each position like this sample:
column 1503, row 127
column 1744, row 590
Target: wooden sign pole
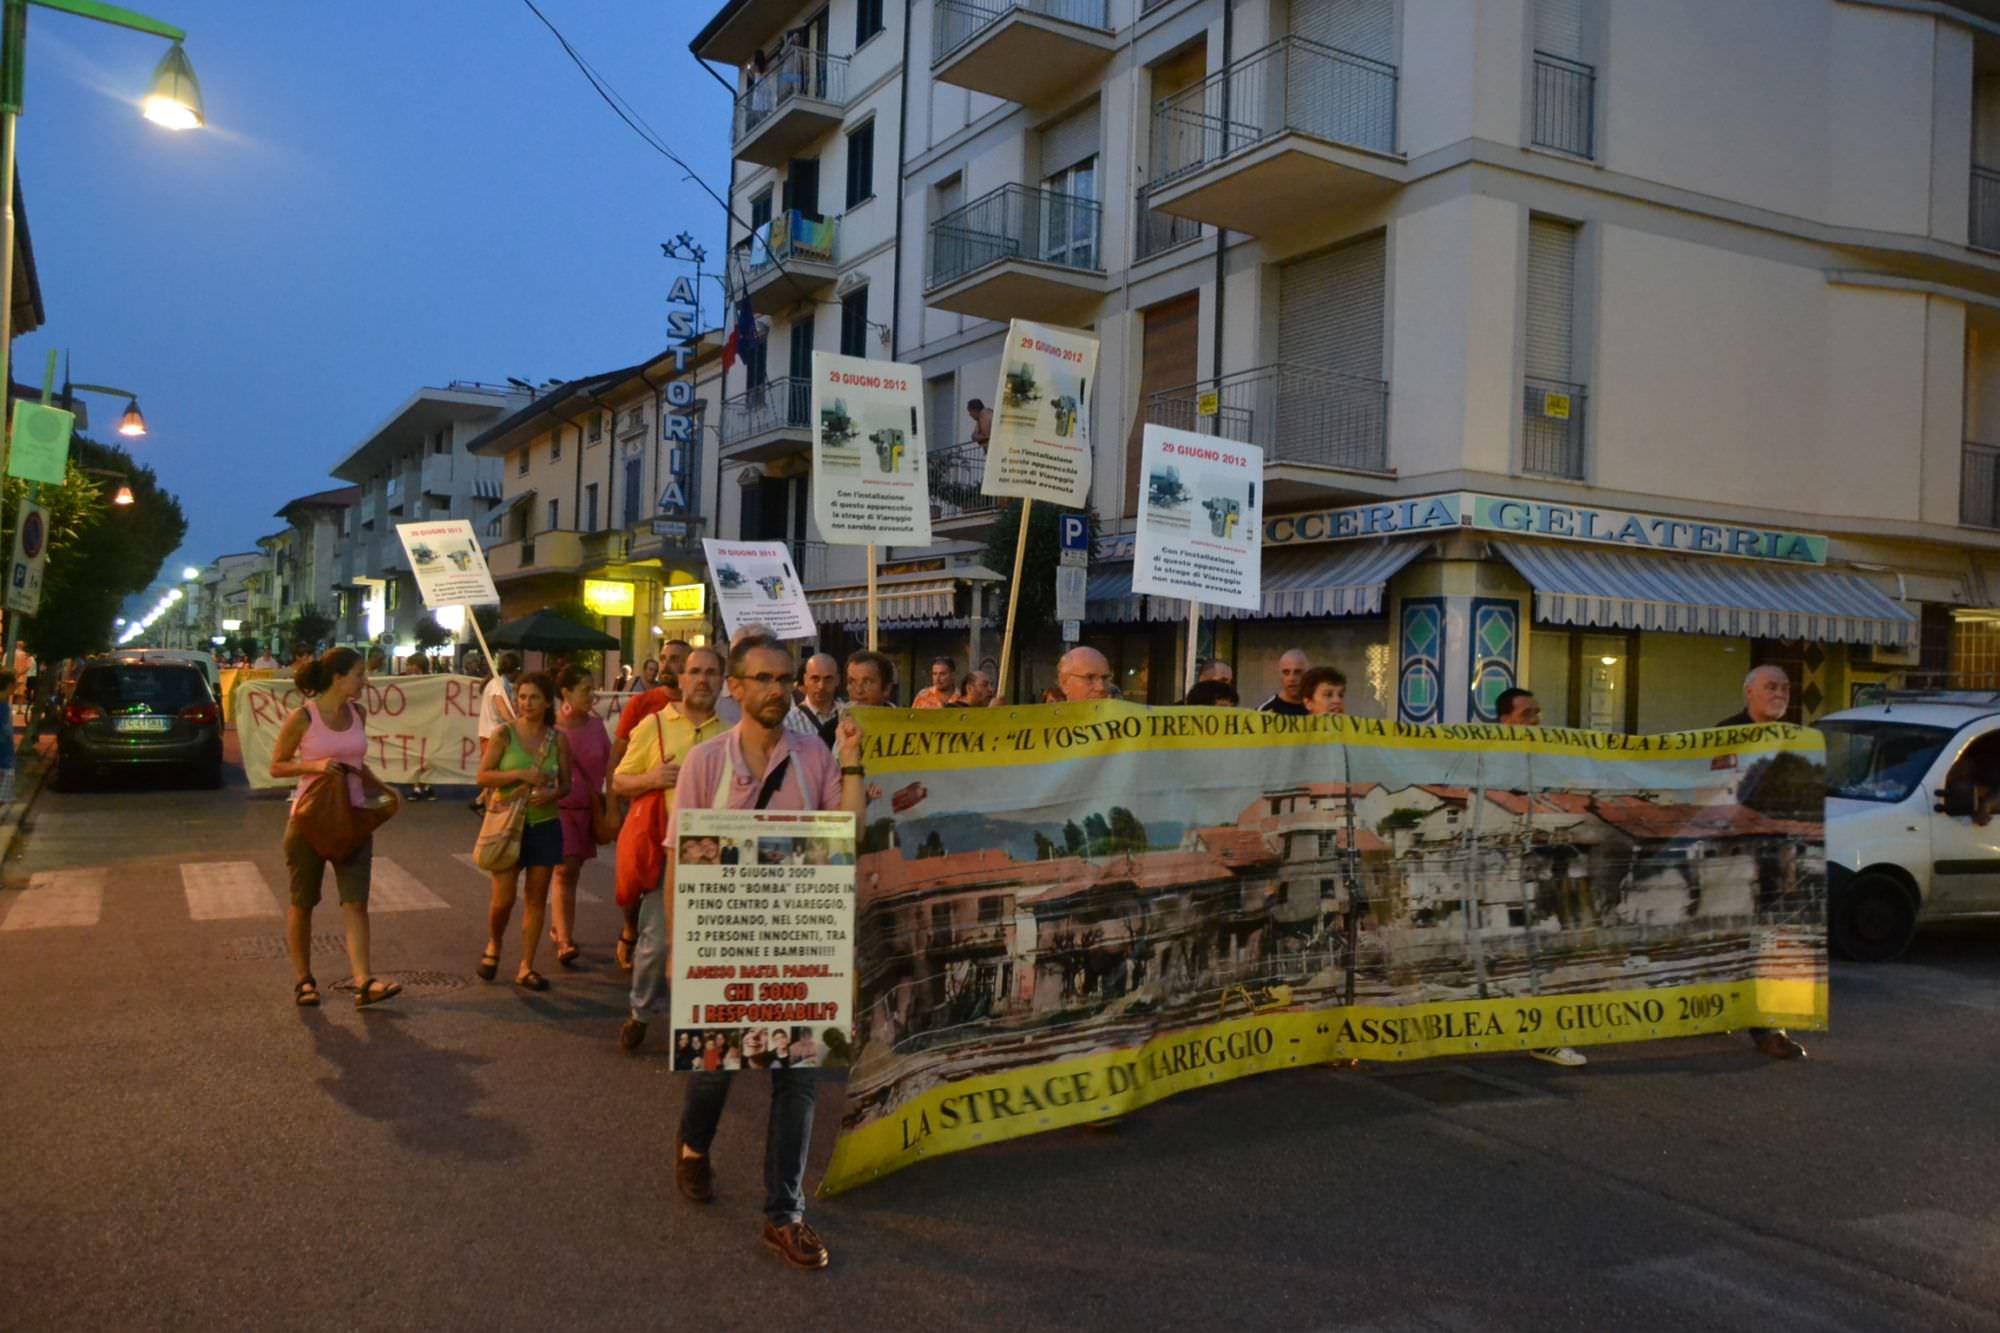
column 1014, row 599
column 871, row 598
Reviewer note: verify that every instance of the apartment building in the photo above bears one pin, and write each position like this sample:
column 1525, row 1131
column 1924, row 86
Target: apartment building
column 310, row 563
column 607, row 491
column 416, row 464
column 1606, row 348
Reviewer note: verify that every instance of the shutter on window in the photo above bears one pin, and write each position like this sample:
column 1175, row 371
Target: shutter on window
column 1551, row 298
column 1069, row 141
column 1330, row 310
column 1168, row 353
column 1363, row 27
column 1559, row 28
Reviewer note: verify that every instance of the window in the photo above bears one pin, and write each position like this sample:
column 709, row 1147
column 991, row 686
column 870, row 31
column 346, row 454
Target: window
column 394, row 591
column 990, row 909
column 590, row 507
column 854, row 323
column 635, row 419
column 1069, row 227
column 555, row 444
column 867, row 20
column 521, row 467
column 555, row 515
column 596, row 427
column 633, row 486
column 392, row 486
column 861, row 164
column 1552, row 405
column 441, row 443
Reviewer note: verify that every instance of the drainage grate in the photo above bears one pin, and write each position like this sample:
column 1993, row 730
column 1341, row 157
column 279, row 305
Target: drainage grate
column 255, row 948
column 1455, row 1087
column 415, row 980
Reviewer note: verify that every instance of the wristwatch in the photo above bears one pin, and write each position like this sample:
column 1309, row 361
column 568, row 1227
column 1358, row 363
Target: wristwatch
column 853, row 771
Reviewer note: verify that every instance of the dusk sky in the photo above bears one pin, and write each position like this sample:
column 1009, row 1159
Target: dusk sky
column 385, row 197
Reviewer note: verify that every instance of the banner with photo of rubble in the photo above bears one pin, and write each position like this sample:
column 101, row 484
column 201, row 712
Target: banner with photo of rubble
column 1068, row 912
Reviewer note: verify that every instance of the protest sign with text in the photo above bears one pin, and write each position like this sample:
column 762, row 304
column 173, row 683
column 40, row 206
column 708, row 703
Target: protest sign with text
column 1040, row 446
column 755, row 584
column 869, row 481
column 420, row 728
column 1201, row 519
column 447, row 563
column 763, row 955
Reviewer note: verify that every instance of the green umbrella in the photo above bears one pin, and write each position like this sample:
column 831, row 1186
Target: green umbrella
column 547, row 632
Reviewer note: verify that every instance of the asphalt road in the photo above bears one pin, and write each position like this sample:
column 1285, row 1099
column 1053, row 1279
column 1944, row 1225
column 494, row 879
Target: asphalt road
column 184, row 1148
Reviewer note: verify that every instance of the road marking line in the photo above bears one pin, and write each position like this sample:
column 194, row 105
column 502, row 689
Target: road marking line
column 59, row 898
column 1935, row 1232
column 583, row 895
column 394, row 889
column 225, row 890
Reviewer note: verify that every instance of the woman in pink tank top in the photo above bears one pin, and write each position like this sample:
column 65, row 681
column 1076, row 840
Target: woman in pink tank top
column 327, row 741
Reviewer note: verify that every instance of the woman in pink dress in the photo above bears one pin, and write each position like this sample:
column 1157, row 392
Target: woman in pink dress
column 589, row 756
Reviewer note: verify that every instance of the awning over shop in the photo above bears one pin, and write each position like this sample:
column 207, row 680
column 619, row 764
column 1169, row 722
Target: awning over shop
column 1326, row 580
column 1623, row 590
column 1108, row 595
column 899, row 606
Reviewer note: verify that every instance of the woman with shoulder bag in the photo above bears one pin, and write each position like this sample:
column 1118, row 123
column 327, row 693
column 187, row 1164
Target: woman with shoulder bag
column 588, row 816
column 526, row 766
column 327, row 741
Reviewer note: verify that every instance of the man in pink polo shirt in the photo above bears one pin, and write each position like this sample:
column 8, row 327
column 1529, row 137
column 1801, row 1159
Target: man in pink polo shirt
column 759, row 765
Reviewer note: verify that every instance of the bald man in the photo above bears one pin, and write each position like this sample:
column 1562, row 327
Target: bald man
column 1291, row 696
column 1216, row 669
column 818, row 712
column 1767, row 697
column 1083, row 674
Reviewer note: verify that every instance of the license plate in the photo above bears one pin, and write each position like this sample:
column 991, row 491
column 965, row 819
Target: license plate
column 144, row 723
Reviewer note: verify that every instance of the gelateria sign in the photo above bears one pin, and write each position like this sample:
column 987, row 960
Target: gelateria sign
column 1538, row 518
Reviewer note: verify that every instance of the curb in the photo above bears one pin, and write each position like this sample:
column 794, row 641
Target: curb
column 28, row 783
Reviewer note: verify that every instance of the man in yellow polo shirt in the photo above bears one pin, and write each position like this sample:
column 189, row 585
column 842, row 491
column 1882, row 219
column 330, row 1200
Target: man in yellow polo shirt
column 652, row 762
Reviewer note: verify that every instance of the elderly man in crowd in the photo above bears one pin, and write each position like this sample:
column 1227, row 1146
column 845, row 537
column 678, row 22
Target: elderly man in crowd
column 1083, row 674
column 978, row 692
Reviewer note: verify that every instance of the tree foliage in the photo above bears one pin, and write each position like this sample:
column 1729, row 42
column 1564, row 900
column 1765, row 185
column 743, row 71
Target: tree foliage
column 1035, row 616
column 99, row 553
column 311, row 627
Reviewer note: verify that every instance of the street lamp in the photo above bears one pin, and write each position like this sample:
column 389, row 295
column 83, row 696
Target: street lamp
column 132, row 425
column 173, row 99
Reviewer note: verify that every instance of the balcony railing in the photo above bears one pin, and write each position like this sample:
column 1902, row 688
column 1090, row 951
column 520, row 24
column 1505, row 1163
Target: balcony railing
column 773, row 405
column 956, row 471
column 1985, row 226
column 792, row 236
column 797, row 72
column 1979, row 486
column 1552, row 428
column 1565, row 102
column 1293, row 86
column 1161, row 232
column 1015, row 222
column 1294, row 413
column 956, row 22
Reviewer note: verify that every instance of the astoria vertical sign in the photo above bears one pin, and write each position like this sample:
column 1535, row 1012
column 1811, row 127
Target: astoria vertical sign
column 676, row 423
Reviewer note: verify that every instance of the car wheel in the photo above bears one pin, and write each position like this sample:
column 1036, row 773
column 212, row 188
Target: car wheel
column 1871, row 919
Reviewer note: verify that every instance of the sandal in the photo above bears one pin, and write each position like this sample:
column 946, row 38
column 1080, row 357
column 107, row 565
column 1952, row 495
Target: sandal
column 306, row 993
column 370, row 991
column 532, row 980
column 489, row 965
column 568, row 954
column 627, row 941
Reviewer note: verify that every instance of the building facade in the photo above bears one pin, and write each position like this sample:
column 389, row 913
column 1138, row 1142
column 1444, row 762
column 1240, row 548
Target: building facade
column 1565, row 375
column 310, row 563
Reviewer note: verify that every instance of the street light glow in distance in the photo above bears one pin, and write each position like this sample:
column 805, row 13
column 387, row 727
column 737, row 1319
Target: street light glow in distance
column 190, row 573
column 124, row 496
column 173, row 99
column 133, row 424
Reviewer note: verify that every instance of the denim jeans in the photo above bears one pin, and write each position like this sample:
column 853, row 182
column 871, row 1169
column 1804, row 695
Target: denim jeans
column 787, row 1135
column 649, row 959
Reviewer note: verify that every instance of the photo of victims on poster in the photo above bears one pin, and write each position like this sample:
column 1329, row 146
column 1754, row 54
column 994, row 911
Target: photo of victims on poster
column 1201, row 526
column 868, row 453
column 1040, row 448
column 763, row 961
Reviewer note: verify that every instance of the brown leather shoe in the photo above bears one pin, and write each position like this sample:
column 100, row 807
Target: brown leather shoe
column 1779, row 1046
column 631, row 1036
column 798, row 1243
column 693, row 1176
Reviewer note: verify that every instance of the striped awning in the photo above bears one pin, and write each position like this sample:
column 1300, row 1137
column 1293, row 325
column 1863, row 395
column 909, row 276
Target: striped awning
column 1108, row 595
column 1325, row 580
column 920, row 605
column 1579, row 585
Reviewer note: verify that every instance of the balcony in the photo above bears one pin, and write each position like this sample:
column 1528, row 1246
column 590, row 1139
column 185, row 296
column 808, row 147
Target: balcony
column 798, row 99
column 1565, row 105
column 1983, row 232
column 1278, row 136
column 1018, row 252
column 791, row 259
column 544, row 553
column 436, row 478
column 768, row 421
column 1026, row 51
column 1300, row 416
column 1552, row 428
column 1160, row 232
column 371, row 505
column 956, row 503
column 1979, row 486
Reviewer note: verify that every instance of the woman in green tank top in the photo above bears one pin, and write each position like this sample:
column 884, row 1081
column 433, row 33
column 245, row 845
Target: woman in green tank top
column 527, row 759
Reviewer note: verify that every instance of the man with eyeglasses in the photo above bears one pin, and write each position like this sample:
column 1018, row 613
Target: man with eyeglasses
column 1083, row 674
column 759, row 765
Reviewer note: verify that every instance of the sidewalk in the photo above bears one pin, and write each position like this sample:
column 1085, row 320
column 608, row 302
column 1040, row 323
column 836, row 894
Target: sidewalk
column 32, row 769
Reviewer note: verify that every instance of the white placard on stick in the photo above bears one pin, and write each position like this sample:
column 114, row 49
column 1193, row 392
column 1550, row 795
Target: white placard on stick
column 870, row 486
column 763, row 950
column 449, row 567
column 1040, row 446
column 1201, row 519
column 756, row 584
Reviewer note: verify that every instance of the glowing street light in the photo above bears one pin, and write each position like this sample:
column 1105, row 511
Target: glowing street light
column 173, row 99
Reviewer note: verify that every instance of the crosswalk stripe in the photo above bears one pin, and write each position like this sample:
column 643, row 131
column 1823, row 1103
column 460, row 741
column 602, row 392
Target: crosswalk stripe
column 394, row 889
column 583, row 895
column 59, row 898
column 225, row 890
